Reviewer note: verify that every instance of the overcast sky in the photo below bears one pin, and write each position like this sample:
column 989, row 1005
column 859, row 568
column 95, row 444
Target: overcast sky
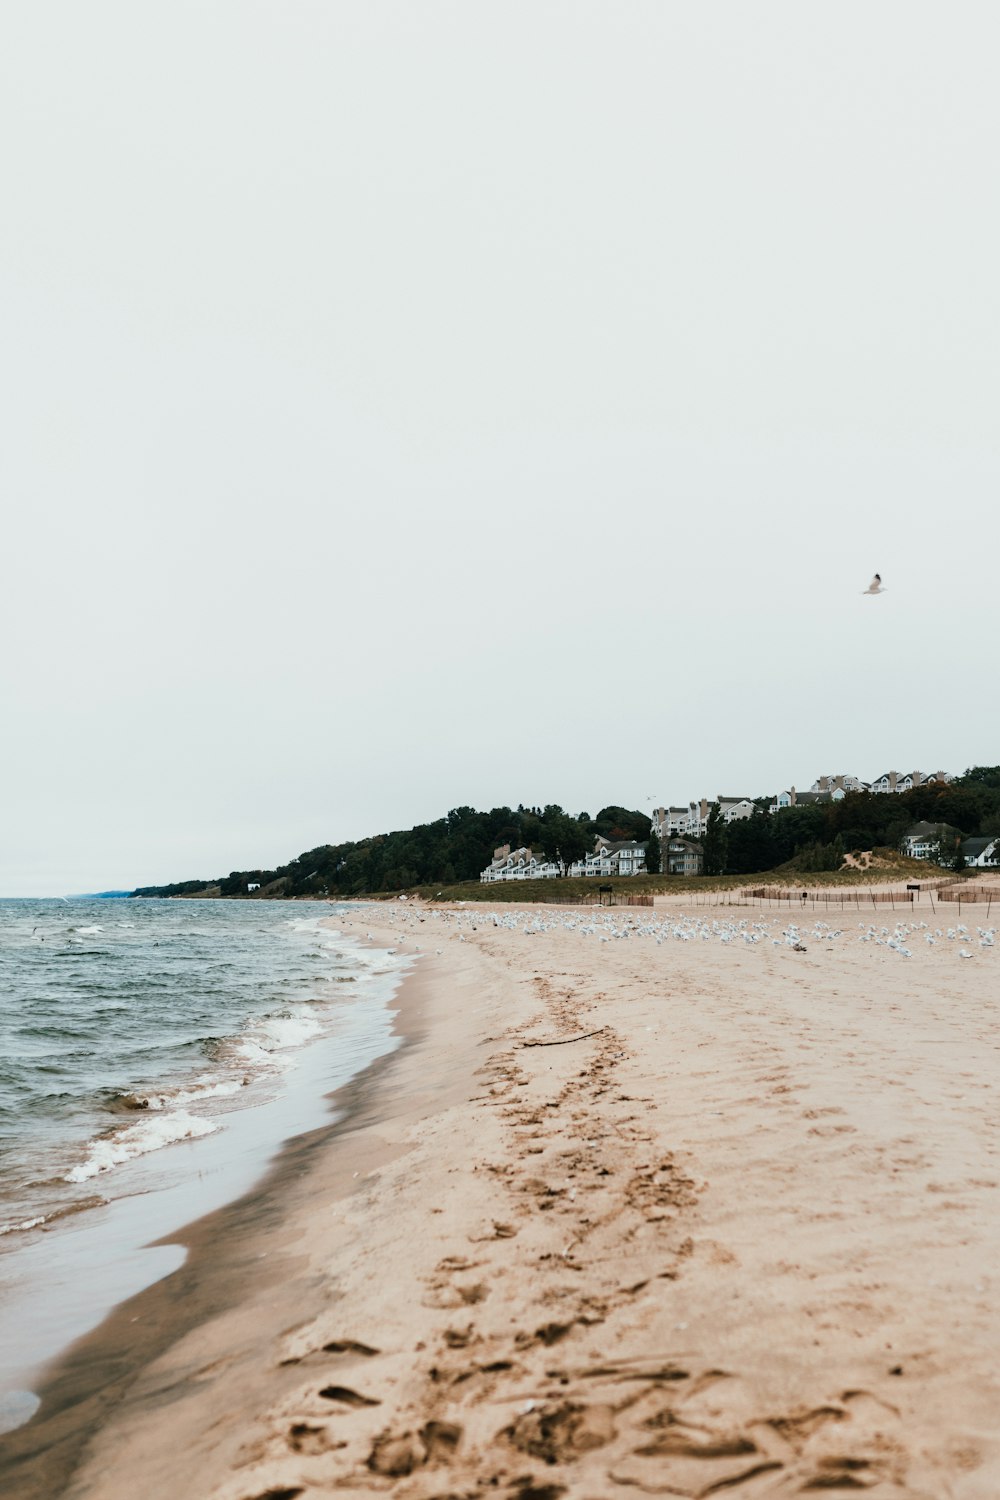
column 409, row 405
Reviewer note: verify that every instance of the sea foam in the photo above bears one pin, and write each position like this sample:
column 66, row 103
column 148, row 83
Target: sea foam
column 138, row 1140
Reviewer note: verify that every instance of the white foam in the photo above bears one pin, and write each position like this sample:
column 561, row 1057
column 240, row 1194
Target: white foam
column 278, row 1034
column 25, row 1224
column 206, row 1087
column 138, row 1140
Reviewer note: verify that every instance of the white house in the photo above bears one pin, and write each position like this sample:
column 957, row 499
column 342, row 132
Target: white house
column 735, row 808
column 981, row 853
column 900, row 781
column 519, row 864
column 626, row 857
column 838, row 786
column 923, row 840
column 792, row 798
column 690, row 821
column 668, row 820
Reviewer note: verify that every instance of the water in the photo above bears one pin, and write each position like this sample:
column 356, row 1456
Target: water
column 153, row 1056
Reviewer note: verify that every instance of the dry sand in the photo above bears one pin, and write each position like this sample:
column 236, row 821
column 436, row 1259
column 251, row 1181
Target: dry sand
column 735, row 1233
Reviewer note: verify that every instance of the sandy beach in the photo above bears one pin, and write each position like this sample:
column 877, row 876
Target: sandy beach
column 631, row 1211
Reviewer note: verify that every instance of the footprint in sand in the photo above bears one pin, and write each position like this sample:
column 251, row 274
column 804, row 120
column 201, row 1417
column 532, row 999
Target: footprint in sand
column 398, row 1454
column 346, row 1397
column 305, row 1437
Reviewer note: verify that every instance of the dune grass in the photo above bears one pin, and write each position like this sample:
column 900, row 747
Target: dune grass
column 890, row 867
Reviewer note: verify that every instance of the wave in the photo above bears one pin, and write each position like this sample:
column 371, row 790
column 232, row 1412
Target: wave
column 63, row 1212
column 111, row 1151
column 206, row 1087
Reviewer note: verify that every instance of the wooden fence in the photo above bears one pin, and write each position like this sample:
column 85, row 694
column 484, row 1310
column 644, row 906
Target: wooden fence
column 846, row 897
column 601, row 898
column 973, row 895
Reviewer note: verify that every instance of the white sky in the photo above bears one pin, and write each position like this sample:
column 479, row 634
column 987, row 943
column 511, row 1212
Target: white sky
column 414, row 405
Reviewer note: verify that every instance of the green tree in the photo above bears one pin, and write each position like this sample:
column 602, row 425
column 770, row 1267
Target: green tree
column 946, row 843
column 714, row 845
column 982, row 776
column 565, row 838
column 653, row 853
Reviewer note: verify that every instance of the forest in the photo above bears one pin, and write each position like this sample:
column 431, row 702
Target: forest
column 819, row 834
column 457, row 847
column 451, row 849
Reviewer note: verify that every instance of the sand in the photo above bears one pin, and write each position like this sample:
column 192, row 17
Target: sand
column 623, row 1216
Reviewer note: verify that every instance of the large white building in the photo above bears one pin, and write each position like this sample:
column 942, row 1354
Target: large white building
column 981, row 853
column 838, row 786
column 692, row 821
column 905, row 781
column 689, row 821
column 519, row 864
column 607, row 858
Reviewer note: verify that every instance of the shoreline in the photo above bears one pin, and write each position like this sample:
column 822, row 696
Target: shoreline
column 631, row 1216
column 82, row 1386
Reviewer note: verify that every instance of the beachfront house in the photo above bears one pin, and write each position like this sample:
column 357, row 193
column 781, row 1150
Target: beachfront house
column 981, row 853
column 924, row 840
column 792, row 798
column 838, row 786
column 668, row 820
column 897, row 781
column 884, row 784
column 519, row 864
column 681, row 857
column 609, row 857
column 735, row 808
column 690, row 821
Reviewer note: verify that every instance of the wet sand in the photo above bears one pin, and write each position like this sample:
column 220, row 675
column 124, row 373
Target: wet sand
column 631, row 1216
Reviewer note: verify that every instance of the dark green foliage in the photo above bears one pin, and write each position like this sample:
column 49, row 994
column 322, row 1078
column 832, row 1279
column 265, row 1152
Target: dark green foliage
column 751, row 844
column 821, row 856
column 565, row 838
column 446, row 852
column 456, row 848
column 653, row 854
column 715, row 843
column 179, row 888
column 982, row 776
column 619, row 823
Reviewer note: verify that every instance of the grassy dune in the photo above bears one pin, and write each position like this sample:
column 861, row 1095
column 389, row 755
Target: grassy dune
column 887, row 868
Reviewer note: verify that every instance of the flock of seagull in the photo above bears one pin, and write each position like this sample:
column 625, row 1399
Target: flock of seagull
column 615, row 926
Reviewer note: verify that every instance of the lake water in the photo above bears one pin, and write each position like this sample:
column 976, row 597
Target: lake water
column 153, row 1057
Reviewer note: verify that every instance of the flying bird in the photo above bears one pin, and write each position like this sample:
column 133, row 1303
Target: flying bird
column 875, row 587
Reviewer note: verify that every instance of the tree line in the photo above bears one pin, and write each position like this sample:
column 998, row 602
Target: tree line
column 457, row 847
column 451, row 849
column 819, row 834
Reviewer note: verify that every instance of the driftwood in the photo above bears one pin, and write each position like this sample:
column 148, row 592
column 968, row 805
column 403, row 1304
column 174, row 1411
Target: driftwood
column 564, row 1041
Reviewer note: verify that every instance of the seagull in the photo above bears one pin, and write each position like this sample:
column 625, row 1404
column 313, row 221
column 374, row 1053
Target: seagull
column 875, row 587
